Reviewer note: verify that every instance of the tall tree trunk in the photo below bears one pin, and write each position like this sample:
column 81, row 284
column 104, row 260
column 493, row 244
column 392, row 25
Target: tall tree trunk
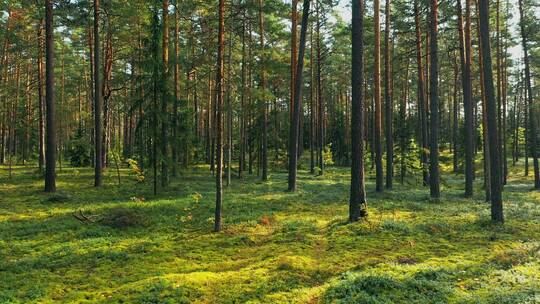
column 264, row 153
column 377, row 96
column 165, row 97
column 28, row 112
column 50, row 152
column 466, row 60
column 250, row 120
column 3, row 81
column 174, row 123
column 422, row 102
column 505, row 98
column 495, row 168
column 294, row 52
column 499, row 62
column 219, row 123
column 455, row 120
column 320, row 102
column 434, row 186
column 533, row 136
column 229, row 113
column 98, row 166
column 243, row 112
column 155, row 89
column 311, row 104
column 515, row 124
column 388, row 101
column 485, row 137
column 357, row 201
column 295, row 127
column 41, row 97
column 526, row 126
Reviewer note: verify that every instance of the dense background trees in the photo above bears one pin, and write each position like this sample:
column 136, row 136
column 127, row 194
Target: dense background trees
column 150, row 67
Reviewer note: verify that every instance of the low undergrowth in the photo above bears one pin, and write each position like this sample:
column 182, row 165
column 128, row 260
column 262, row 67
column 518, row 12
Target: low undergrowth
column 121, row 244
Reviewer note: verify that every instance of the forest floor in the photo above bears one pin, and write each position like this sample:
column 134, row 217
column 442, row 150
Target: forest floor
column 276, row 247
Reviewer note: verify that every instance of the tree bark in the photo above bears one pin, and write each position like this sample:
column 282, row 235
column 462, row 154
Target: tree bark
column 294, row 52
column 422, row 102
column 264, row 153
column 320, row 101
column 455, row 120
column 174, row 123
column 41, row 97
column 98, row 166
column 466, row 60
column 357, row 201
column 50, row 152
column 219, row 123
column 312, row 110
column 295, row 127
column 388, row 101
column 485, row 137
column 243, row 112
column 495, row 168
column 434, row 103
column 165, row 97
column 377, row 96
column 229, row 113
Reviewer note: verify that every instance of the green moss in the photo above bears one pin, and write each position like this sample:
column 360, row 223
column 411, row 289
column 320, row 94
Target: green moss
column 276, row 247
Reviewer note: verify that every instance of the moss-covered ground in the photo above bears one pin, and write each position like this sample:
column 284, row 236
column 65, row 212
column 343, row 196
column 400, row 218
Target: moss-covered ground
column 276, row 247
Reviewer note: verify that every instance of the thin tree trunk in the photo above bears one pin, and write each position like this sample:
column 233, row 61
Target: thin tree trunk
column 295, row 127
column 526, row 126
column 165, row 97
column 174, row 123
column 264, row 152
column 50, row 152
column 294, row 52
column 499, row 62
column 219, row 123
column 311, row 105
column 466, row 60
column 455, row 120
column 320, row 102
column 98, row 166
column 155, row 88
column 41, row 97
column 422, row 102
column 243, row 140
column 434, row 103
column 388, row 101
column 229, row 113
column 377, row 96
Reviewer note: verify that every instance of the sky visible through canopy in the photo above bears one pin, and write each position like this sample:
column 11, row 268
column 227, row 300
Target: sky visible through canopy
column 516, row 51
